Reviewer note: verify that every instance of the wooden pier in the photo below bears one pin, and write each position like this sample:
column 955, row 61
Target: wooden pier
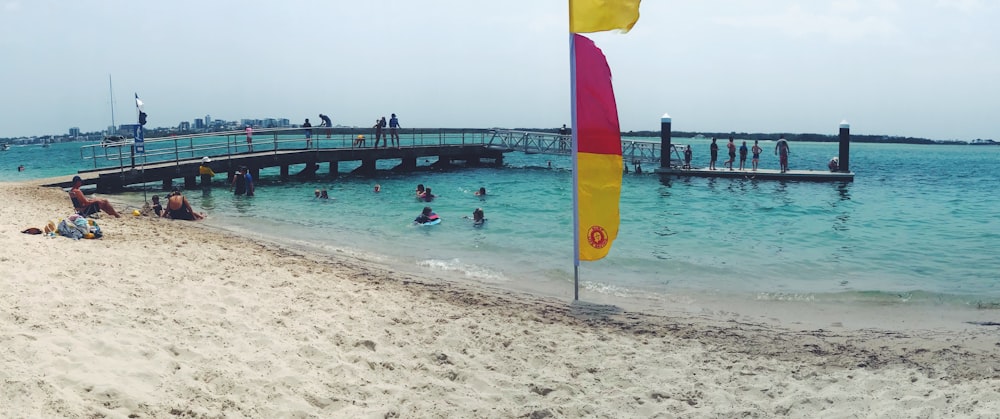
column 115, row 179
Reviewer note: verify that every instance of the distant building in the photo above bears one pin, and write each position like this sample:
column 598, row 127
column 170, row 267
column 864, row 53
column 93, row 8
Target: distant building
column 208, row 121
column 74, row 132
column 184, row 126
column 199, row 123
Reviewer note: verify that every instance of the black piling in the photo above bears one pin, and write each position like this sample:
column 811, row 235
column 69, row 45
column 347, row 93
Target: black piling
column 665, row 141
column 845, row 147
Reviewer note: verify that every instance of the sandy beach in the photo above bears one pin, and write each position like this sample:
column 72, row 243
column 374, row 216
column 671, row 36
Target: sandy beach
column 178, row 319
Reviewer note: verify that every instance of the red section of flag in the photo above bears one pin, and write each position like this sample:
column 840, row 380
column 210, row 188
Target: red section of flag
column 596, row 112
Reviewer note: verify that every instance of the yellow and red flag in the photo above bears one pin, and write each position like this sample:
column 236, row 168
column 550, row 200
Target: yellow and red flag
column 598, row 151
column 597, row 147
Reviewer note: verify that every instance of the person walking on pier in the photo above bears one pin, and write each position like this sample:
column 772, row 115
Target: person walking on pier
column 782, row 150
column 325, row 122
column 309, row 133
column 756, row 150
column 714, row 151
column 394, row 130
column 743, row 155
column 732, row 153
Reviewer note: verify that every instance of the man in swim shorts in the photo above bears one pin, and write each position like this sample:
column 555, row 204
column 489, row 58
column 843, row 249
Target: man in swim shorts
column 756, row 154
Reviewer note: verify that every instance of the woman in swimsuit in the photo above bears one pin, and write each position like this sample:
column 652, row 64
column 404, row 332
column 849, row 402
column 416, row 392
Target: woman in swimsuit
column 178, row 208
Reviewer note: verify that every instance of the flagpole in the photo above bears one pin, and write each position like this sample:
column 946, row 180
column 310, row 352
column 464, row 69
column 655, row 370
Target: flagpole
column 576, row 197
column 138, row 120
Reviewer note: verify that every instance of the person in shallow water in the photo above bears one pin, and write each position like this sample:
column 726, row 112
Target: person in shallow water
column 426, row 216
column 478, row 217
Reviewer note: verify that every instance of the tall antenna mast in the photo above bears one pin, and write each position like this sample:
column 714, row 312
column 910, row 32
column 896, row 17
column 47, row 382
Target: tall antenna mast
column 114, row 128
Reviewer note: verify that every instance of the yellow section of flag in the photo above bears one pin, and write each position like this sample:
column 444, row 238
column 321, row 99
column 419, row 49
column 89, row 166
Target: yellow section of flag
column 599, row 187
column 602, row 15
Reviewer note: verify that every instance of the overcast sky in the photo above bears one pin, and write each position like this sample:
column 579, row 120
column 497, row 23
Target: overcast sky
column 923, row 68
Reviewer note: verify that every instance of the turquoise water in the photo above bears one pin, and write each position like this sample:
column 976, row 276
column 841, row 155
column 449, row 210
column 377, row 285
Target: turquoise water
column 918, row 224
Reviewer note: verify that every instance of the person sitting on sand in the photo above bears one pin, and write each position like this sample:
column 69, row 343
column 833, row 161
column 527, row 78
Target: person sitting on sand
column 426, row 216
column 86, row 206
column 157, row 207
column 178, row 208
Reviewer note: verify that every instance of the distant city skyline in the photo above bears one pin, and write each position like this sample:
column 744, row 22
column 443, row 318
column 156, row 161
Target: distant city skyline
column 919, row 68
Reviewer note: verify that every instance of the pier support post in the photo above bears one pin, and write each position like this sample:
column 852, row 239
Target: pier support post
column 109, row 183
column 256, row 175
column 284, row 172
column 408, row 163
column 367, row 166
column 665, row 147
column 334, row 168
column 168, row 184
column 845, row 147
column 190, row 182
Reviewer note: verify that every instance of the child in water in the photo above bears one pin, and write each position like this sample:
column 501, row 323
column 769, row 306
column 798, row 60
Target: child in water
column 478, row 217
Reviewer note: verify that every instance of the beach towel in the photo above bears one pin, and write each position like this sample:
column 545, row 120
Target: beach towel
column 77, row 227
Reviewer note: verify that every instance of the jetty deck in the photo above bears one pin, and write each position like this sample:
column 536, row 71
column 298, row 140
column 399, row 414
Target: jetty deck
column 762, row 174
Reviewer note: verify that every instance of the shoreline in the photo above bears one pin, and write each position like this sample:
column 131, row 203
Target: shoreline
column 161, row 316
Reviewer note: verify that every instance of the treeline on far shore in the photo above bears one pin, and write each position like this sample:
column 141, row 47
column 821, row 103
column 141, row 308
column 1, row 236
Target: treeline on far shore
column 855, row 138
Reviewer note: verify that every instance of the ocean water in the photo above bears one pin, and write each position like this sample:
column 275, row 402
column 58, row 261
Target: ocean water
column 919, row 225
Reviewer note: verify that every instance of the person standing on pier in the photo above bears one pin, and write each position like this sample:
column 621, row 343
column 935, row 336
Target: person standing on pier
column 714, row 150
column 687, row 157
column 326, row 123
column 394, row 130
column 756, row 154
column 732, row 153
column 782, row 150
column 743, row 155
column 249, row 131
column 378, row 131
column 308, row 128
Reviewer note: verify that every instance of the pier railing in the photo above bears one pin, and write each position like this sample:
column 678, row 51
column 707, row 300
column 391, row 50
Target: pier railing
column 229, row 143
column 633, row 150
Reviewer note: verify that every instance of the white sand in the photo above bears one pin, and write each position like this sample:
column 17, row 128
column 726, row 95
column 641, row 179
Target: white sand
column 174, row 319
